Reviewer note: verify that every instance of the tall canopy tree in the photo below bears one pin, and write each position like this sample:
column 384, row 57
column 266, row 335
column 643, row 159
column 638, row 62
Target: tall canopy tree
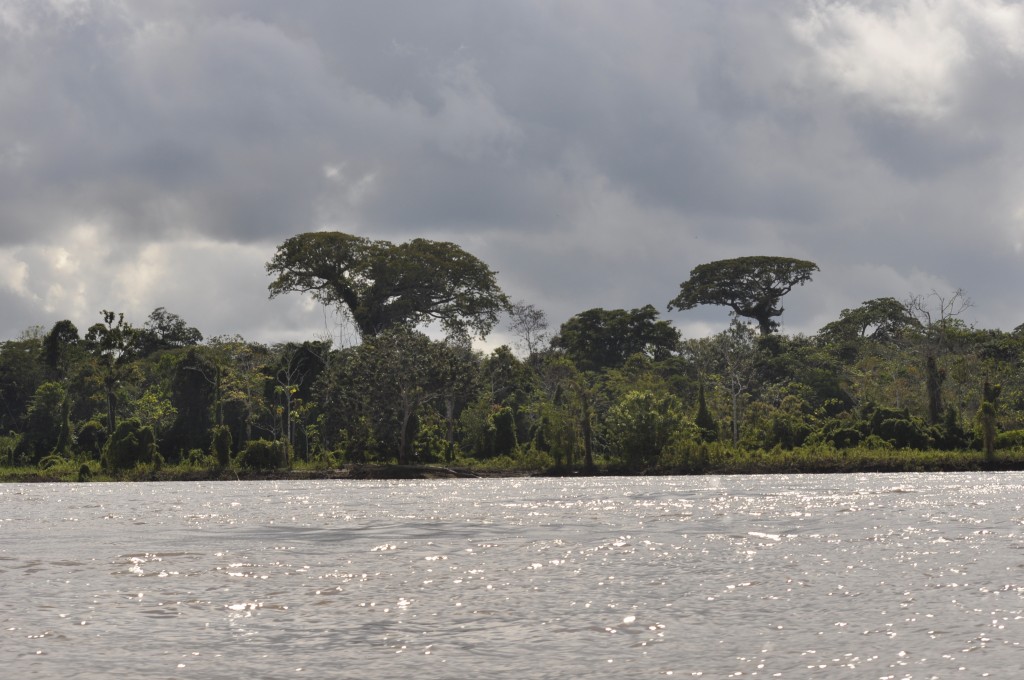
column 882, row 319
column 598, row 338
column 752, row 286
column 382, row 285
column 164, row 330
column 529, row 324
column 58, row 346
column 111, row 342
column 192, row 394
column 21, row 373
column 941, row 325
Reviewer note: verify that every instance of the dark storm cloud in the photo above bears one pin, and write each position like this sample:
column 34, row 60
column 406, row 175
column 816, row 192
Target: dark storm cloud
column 154, row 154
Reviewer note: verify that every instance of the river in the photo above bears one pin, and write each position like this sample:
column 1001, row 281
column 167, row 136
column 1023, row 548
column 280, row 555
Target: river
column 784, row 576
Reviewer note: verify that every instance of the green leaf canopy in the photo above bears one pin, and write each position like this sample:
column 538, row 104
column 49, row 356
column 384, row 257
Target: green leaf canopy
column 752, row 286
column 383, row 285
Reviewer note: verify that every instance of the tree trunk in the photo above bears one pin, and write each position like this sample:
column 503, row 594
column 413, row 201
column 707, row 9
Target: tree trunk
column 449, row 409
column 588, row 433
column 933, row 384
column 403, row 434
column 111, row 409
column 735, row 418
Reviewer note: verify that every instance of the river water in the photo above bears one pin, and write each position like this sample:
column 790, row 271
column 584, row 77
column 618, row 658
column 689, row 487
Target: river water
column 801, row 576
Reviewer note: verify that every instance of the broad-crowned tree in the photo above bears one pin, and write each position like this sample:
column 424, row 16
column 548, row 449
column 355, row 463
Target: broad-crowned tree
column 752, row 287
column 381, row 285
column 164, row 330
column 883, row 319
column 599, row 339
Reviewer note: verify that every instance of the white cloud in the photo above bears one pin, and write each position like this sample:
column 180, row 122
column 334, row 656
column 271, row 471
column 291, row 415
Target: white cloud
column 911, row 57
column 900, row 55
column 14, row 274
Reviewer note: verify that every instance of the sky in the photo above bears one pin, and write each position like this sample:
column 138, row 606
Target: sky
column 154, row 153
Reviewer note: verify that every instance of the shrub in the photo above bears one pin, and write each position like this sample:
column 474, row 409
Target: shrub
column 330, row 459
column 261, row 455
column 199, row 459
column 52, row 460
column 684, row 457
column 531, row 458
column 787, row 431
column 904, row 433
column 91, row 438
column 1011, row 439
column 876, row 443
column 8, row 445
column 844, row 437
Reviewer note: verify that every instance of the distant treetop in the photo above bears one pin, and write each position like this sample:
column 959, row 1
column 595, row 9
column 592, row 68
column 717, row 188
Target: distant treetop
column 752, row 286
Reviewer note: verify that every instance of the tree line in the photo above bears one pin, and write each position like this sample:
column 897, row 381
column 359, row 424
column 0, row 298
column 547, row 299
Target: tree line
column 610, row 389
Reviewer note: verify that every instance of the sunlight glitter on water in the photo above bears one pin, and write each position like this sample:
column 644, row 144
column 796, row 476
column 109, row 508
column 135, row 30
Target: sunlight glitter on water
column 713, row 577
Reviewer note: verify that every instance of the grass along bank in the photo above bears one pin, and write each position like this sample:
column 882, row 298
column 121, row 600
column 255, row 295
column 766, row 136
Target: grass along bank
column 700, row 459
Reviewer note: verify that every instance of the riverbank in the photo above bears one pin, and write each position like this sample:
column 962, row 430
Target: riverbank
column 191, row 474
column 717, row 459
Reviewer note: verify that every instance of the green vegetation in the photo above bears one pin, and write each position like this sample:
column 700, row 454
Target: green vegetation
column 383, row 285
column 753, row 287
column 887, row 386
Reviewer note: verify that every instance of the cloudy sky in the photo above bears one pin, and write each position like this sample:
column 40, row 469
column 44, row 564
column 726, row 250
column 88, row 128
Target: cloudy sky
column 154, row 153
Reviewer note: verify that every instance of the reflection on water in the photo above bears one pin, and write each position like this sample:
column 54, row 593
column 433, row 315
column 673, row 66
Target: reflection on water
column 784, row 576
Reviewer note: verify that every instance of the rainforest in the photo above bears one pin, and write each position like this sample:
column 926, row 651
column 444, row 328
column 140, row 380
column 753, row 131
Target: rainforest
column 896, row 384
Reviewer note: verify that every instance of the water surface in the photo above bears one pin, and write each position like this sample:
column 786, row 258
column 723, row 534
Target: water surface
column 855, row 576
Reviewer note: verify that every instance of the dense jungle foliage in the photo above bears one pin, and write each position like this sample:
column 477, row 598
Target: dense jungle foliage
column 890, row 385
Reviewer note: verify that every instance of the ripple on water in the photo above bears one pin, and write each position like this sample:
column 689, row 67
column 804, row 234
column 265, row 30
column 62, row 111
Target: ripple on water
column 804, row 576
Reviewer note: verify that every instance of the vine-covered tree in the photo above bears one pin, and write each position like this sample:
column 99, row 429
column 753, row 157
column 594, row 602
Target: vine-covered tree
column 59, row 345
column 44, row 422
column 381, row 285
column 192, row 395
column 987, row 419
column 752, row 286
column 132, row 443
